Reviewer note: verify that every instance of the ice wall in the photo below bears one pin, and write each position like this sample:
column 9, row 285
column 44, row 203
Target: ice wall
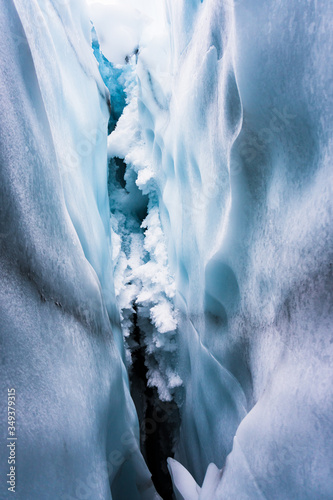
column 62, row 347
column 234, row 109
column 251, row 240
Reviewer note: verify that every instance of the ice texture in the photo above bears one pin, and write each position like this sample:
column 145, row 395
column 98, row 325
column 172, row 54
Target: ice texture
column 145, row 287
column 235, row 109
column 62, row 346
column 220, row 242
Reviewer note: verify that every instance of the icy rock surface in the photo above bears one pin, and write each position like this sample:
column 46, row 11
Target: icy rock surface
column 62, row 347
column 235, row 111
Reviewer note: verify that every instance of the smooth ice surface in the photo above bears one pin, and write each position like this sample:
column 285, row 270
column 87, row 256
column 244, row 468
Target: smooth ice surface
column 184, row 485
column 62, row 348
column 234, row 107
column 186, row 488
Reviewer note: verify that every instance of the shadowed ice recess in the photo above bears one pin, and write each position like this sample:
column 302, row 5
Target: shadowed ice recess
column 166, row 248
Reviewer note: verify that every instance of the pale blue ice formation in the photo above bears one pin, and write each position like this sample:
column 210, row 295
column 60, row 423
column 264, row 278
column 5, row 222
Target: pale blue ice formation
column 200, row 212
column 235, row 112
column 62, row 348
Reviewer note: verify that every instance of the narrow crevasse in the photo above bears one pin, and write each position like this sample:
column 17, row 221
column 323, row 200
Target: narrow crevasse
column 234, row 109
column 166, row 248
column 145, row 288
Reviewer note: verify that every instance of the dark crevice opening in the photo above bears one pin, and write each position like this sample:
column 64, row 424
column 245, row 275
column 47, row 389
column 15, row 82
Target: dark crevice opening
column 159, row 420
column 120, row 171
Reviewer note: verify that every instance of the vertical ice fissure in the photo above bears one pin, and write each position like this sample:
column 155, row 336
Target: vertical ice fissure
column 144, row 285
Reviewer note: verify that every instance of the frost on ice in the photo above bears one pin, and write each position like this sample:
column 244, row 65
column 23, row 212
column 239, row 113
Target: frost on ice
column 144, row 284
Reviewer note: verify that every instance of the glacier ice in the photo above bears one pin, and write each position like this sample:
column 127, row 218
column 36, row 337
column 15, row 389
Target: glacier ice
column 204, row 221
column 235, row 112
column 62, row 347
